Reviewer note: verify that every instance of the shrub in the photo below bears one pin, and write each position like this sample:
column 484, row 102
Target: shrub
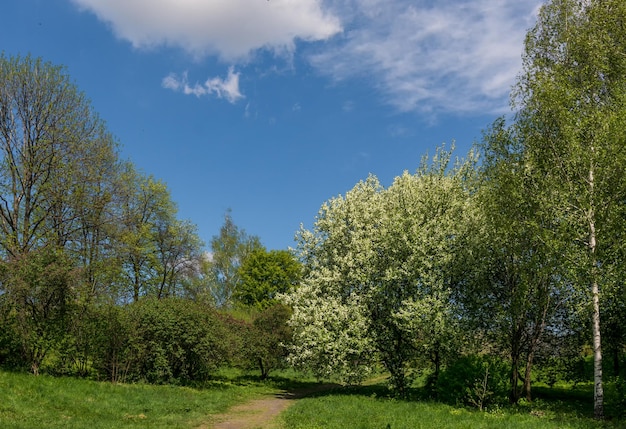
column 474, row 381
column 259, row 341
column 173, row 340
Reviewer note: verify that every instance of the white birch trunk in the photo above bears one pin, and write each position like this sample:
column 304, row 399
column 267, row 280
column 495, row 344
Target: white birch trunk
column 598, row 391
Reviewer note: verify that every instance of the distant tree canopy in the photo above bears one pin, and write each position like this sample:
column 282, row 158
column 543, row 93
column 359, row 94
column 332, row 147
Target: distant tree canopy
column 229, row 250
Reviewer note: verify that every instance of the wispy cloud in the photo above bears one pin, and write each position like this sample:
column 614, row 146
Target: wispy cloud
column 425, row 56
column 457, row 56
column 231, row 29
column 227, row 88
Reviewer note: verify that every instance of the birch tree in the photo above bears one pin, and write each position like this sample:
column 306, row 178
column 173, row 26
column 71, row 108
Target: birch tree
column 228, row 251
column 572, row 111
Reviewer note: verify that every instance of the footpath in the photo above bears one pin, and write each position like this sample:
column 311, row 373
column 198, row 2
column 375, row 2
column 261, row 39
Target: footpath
column 261, row 413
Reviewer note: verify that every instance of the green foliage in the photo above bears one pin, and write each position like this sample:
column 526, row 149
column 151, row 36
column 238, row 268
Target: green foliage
column 617, row 397
column 229, row 250
column 572, row 101
column 474, row 381
column 111, row 342
column 173, row 340
column 375, row 262
column 265, row 275
column 258, row 339
column 39, row 292
column 271, row 338
column 516, row 276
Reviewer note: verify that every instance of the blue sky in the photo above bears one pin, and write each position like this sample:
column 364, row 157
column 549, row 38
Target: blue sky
column 271, row 107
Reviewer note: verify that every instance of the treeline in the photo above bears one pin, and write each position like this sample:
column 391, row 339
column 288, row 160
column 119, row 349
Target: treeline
column 98, row 276
column 515, row 254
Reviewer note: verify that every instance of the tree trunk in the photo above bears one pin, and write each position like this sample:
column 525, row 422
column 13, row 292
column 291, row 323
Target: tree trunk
column 537, row 333
column 264, row 371
column 515, row 358
column 598, row 391
column 514, row 394
column 527, row 375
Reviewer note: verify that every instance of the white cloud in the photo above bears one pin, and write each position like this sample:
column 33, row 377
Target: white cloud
column 229, row 28
column 457, row 56
column 222, row 88
column 428, row 56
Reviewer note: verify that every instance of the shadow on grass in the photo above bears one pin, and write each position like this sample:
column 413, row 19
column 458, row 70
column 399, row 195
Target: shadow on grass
column 572, row 402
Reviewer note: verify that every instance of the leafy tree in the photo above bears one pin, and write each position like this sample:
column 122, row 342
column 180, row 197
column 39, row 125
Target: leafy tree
column 178, row 251
column 263, row 340
column 264, row 275
column 57, row 169
column 145, row 204
column 375, row 260
column 473, row 380
column 228, row 251
column 571, row 96
column 48, row 133
column 516, row 278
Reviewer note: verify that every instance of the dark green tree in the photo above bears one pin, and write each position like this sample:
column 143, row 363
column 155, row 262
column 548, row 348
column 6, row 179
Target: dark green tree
column 265, row 274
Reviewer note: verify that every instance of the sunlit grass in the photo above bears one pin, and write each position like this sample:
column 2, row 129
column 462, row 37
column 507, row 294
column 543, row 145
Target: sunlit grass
column 30, row 402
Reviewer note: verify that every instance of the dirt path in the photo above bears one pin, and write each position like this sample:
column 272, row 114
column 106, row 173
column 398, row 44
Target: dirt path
column 260, row 413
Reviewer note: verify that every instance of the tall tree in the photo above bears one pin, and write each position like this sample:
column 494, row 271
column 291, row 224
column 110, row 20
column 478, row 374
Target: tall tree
column 572, row 99
column 178, row 250
column 228, row 251
column 516, row 282
column 47, row 132
column 145, row 202
column 56, row 161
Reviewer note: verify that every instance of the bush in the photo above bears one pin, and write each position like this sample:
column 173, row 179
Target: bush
column 474, row 381
column 259, row 342
column 10, row 345
column 271, row 337
column 173, row 340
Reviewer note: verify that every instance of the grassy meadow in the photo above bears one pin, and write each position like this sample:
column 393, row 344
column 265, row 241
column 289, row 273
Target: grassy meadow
column 29, row 402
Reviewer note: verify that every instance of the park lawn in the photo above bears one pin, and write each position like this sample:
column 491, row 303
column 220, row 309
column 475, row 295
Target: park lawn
column 30, row 402
column 337, row 410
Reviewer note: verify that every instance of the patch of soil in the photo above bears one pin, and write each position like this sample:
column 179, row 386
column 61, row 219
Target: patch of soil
column 261, row 413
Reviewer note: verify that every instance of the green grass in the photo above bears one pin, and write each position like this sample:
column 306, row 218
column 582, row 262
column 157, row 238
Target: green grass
column 365, row 408
column 30, row 402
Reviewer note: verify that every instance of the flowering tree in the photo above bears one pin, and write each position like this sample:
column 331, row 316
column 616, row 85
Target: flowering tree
column 379, row 263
